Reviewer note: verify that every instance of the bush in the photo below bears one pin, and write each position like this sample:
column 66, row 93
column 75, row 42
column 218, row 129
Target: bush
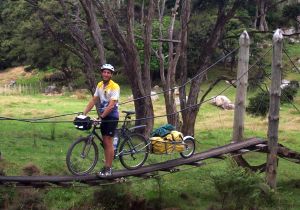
column 288, row 94
column 239, row 188
column 6, row 196
column 116, row 197
column 27, row 199
column 259, row 104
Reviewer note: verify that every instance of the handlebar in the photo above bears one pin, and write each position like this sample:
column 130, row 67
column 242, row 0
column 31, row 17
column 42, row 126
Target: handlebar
column 83, row 122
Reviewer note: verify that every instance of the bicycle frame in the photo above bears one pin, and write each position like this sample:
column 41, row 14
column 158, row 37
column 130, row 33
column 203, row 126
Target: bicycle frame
column 122, row 134
column 132, row 148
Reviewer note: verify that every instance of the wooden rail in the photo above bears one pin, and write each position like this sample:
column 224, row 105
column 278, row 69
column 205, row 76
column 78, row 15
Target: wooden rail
column 253, row 144
column 143, row 171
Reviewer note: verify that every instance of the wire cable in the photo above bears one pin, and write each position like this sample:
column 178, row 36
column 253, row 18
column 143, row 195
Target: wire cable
column 198, row 75
column 128, row 101
column 296, row 68
column 189, row 107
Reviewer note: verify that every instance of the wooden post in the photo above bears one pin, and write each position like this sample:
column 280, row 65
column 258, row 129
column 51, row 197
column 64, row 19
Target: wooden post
column 275, row 93
column 241, row 91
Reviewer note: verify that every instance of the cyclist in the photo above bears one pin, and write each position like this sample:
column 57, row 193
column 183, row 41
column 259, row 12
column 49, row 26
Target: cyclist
column 108, row 92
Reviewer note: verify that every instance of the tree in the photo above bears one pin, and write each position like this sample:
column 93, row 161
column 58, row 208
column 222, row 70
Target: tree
column 261, row 12
column 168, row 78
column 190, row 109
column 291, row 14
column 125, row 44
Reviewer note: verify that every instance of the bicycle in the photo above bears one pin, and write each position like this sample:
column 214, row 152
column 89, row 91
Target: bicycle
column 131, row 148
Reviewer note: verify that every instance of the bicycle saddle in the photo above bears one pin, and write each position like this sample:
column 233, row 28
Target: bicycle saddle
column 129, row 112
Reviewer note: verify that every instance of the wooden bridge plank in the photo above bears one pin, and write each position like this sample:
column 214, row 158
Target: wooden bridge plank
column 215, row 152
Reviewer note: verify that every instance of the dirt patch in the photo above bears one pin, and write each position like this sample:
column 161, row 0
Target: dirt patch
column 10, row 74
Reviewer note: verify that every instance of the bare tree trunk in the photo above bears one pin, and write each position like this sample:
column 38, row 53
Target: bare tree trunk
column 241, row 91
column 94, row 28
column 256, row 15
column 140, row 83
column 147, row 35
column 168, row 80
column 275, row 93
column 192, row 107
column 262, row 9
column 183, row 58
column 86, row 53
column 169, row 95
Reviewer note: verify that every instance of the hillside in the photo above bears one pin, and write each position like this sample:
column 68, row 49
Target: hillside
column 14, row 73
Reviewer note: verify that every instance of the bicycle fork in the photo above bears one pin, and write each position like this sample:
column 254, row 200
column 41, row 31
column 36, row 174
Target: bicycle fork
column 86, row 147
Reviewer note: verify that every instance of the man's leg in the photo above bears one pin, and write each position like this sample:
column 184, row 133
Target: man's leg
column 108, row 150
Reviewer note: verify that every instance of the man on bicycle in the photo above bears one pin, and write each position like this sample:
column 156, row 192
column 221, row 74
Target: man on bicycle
column 108, row 92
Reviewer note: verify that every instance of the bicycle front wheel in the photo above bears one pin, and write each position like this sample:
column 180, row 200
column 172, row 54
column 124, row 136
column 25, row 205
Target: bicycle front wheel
column 134, row 151
column 82, row 156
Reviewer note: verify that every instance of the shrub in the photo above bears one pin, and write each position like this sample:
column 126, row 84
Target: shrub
column 239, row 188
column 6, row 196
column 31, row 170
column 27, row 199
column 117, row 197
column 288, row 94
column 259, row 104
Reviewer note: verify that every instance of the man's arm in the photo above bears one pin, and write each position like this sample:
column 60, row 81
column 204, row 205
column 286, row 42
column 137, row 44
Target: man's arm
column 109, row 108
column 90, row 105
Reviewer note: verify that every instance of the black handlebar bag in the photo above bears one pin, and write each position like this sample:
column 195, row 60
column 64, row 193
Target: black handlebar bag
column 82, row 122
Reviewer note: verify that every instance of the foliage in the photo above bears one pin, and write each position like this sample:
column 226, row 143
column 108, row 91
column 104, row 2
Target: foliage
column 259, row 104
column 238, row 188
column 28, row 41
column 154, row 62
column 200, row 27
column 12, row 198
column 290, row 14
column 288, row 93
column 114, row 197
column 190, row 186
column 6, row 196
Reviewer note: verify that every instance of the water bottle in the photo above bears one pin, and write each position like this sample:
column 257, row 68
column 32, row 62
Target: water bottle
column 115, row 141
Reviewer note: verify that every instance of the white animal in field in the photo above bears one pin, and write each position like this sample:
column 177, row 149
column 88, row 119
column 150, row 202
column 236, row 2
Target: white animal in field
column 222, row 101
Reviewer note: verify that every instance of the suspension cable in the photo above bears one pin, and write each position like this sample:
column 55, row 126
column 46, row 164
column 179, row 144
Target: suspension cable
column 177, row 112
column 196, row 76
column 296, row 68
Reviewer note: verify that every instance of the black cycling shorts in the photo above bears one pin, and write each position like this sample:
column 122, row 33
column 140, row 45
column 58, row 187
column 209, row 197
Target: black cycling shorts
column 108, row 126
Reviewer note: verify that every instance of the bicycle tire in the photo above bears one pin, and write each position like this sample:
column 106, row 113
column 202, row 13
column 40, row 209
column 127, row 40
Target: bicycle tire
column 133, row 158
column 189, row 144
column 76, row 163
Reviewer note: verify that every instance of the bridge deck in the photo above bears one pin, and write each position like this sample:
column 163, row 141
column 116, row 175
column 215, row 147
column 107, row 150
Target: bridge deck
column 212, row 153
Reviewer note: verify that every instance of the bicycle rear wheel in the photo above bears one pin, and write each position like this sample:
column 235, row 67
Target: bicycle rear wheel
column 82, row 156
column 134, row 151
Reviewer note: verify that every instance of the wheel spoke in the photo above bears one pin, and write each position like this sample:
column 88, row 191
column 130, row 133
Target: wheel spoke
column 82, row 156
column 134, row 152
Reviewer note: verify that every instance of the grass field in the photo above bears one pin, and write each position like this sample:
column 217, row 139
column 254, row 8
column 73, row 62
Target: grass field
column 44, row 145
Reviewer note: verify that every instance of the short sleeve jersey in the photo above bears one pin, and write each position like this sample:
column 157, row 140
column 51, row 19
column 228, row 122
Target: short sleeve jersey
column 110, row 92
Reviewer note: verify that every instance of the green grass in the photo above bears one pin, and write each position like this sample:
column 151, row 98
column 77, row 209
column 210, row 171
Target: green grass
column 45, row 145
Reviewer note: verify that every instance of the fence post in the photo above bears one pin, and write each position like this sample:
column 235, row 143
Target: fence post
column 241, row 91
column 275, row 93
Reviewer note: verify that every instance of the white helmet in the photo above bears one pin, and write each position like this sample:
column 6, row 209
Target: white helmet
column 108, row 67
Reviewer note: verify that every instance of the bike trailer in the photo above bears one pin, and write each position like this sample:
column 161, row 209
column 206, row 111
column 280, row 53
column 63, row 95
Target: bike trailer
column 168, row 144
